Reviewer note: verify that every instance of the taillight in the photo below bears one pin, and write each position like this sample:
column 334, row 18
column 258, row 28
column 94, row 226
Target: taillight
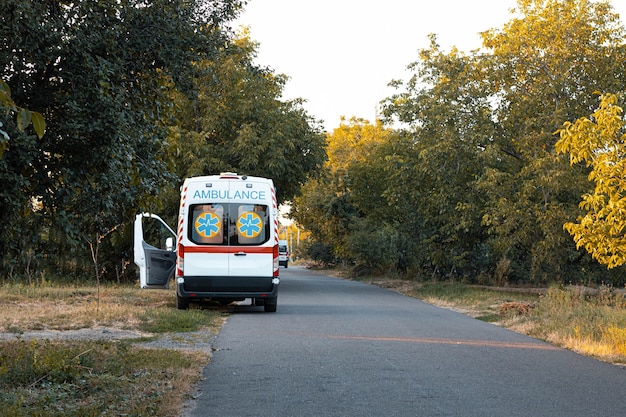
column 180, row 261
column 276, row 264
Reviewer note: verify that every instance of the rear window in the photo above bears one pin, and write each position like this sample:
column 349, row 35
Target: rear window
column 229, row 224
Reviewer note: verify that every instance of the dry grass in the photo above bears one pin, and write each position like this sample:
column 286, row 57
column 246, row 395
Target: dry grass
column 588, row 321
column 95, row 377
column 66, row 308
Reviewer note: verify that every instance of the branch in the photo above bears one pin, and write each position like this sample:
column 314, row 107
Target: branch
column 513, row 153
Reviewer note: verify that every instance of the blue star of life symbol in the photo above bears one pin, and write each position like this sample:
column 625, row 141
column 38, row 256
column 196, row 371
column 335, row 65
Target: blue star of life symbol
column 249, row 224
column 208, row 224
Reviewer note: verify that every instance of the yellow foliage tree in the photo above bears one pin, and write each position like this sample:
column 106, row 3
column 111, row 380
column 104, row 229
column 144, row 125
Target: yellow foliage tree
column 600, row 143
column 352, row 141
column 326, row 206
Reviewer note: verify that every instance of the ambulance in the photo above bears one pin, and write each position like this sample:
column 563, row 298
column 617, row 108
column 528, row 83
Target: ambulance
column 226, row 242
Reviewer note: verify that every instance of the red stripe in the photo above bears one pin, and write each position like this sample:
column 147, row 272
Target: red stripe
column 275, row 210
column 229, row 249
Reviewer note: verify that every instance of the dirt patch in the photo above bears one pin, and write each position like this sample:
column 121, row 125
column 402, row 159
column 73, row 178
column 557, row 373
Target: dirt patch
column 96, row 333
column 399, row 285
column 201, row 340
column 517, row 308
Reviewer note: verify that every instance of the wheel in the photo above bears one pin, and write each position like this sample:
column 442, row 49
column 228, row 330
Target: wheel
column 270, row 305
column 286, row 265
column 182, row 303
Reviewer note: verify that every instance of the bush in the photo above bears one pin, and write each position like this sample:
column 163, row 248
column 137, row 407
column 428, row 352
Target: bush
column 321, row 253
column 376, row 246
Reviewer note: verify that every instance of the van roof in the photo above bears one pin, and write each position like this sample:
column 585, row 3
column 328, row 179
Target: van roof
column 227, row 176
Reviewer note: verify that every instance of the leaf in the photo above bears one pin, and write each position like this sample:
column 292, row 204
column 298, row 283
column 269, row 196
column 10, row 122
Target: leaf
column 39, row 123
column 5, row 95
column 4, row 87
column 3, row 145
column 23, row 119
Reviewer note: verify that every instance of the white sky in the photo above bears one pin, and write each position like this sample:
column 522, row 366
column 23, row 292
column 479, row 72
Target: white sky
column 341, row 54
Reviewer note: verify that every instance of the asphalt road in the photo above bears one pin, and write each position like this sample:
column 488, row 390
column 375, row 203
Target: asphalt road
column 342, row 348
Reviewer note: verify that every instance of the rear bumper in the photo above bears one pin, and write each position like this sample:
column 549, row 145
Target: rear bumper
column 227, row 287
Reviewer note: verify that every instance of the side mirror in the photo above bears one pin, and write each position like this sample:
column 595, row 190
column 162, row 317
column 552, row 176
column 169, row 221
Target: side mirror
column 169, row 244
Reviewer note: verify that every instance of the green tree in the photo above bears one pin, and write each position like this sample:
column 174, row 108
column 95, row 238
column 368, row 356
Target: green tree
column 600, row 142
column 543, row 69
column 162, row 90
column 236, row 121
column 431, row 174
column 105, row 94
column 479, row 178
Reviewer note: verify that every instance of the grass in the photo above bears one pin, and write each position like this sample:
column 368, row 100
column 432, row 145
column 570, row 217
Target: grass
column 96, row 377
column 482, row 303
column 25, row 308
column 589, row 322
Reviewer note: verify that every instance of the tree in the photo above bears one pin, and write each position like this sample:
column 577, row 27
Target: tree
column 326, row 206
column 430, row 180
column 105, row 94
column 544, row 67
column 236, row 121
column 162, row 90
column 479, row 181
column 600, row 142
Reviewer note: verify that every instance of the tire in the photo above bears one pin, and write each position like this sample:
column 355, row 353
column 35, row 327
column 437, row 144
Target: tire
column 286, row 265
column 270, row 305
column 182, row 303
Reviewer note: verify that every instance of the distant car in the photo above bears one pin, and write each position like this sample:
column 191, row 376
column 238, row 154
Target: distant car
column 283, row 253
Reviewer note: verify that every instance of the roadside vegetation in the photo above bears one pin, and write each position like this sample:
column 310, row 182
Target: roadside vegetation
column 97, row 376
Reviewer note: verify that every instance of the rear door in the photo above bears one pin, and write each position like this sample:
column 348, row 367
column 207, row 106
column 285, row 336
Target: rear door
column 154, row 250
column 252, row 256
column 230, row 231
column 207, row 229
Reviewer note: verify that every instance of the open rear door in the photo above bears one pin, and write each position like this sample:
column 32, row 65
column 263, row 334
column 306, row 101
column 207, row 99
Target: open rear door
column 154, row 250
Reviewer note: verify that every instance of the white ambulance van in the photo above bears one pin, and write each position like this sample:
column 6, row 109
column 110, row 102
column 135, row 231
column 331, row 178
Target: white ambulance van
column 226, row 242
